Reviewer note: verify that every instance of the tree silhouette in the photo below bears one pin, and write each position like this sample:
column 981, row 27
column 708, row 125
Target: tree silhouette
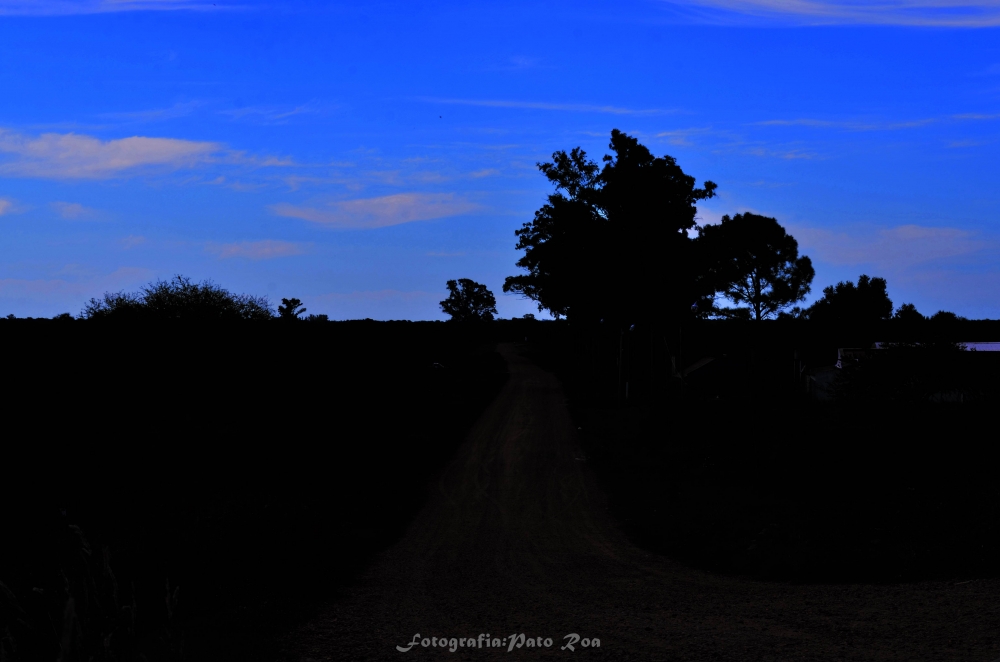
column 867, row 301
column 908, row 313
column 290, row 309
column 750, row 259
column 945, row 317
column 179, row 299
column 611, row 243
column 469, row 301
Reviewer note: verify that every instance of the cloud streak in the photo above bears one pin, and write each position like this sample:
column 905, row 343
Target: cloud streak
column 851, row 126
column 5, row 206
column 927, row 13
column 69, row 7
column 155, row 114
column 72, row 210
column 860, row 126
column 370, row 213
column 900, row 247
column 540, row 105
column 267, row 249
column 78, row 156
column 75, row 156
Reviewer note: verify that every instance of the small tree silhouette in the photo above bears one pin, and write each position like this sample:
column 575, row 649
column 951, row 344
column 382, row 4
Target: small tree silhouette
column 469, row 301
column 290, row 309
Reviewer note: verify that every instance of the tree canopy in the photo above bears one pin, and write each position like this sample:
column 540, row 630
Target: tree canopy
column 867, row 301
column 908, row 313
column 469, row 301
column 611, row 242
column 750, row 259
column 179, row 299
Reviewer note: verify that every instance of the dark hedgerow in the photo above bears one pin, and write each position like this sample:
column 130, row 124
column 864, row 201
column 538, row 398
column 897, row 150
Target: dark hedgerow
column 179, row 299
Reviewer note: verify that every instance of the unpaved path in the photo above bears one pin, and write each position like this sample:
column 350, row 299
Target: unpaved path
column 518, row 540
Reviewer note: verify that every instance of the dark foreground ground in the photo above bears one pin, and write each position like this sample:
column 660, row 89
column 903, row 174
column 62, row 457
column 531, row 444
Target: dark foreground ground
column 518, row 539
column 191, row 492
column 304, row 492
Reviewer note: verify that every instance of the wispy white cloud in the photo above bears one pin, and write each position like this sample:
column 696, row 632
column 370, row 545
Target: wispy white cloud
column 267, row 249
column 788, row 154
column 977, row 116
column 929, row 13
column 5, row 206
column 269, row 114
column 895, row 248
column 75, row 156
column 72, row 210
column 367, row 213
column 78, row 156
column 683, row 137
column 850, row 125
column 181, row 109
column 539, row 105
column 68, row 7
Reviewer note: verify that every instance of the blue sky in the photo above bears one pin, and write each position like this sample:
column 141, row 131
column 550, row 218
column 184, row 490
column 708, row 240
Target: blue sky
column 357, row 155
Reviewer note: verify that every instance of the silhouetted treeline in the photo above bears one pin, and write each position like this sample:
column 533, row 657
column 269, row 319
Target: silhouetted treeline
column 619, row 244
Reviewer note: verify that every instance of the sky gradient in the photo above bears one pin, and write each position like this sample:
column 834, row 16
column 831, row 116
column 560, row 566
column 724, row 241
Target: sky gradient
column 358, row 155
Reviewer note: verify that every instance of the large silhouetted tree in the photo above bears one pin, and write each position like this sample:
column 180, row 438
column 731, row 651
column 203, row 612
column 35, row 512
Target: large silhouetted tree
column 469, row 301
column 867, row 301
column 179, row 299
column 611, row 243
column 752, row 261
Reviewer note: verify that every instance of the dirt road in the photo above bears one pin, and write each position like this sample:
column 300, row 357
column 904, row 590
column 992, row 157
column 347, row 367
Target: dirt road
column 517, row 539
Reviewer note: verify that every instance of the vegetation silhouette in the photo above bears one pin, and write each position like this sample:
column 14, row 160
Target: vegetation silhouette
column 945, row 317
column 469, row 301
column 868, row 301
column 291, row 309
column 179, row 299
column 750, row 259
column 611, row 243
column 908, row 313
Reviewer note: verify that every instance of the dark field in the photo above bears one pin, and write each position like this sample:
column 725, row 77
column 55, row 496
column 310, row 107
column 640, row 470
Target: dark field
column 200, row 491
column 738, row 470
column 248, row 471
